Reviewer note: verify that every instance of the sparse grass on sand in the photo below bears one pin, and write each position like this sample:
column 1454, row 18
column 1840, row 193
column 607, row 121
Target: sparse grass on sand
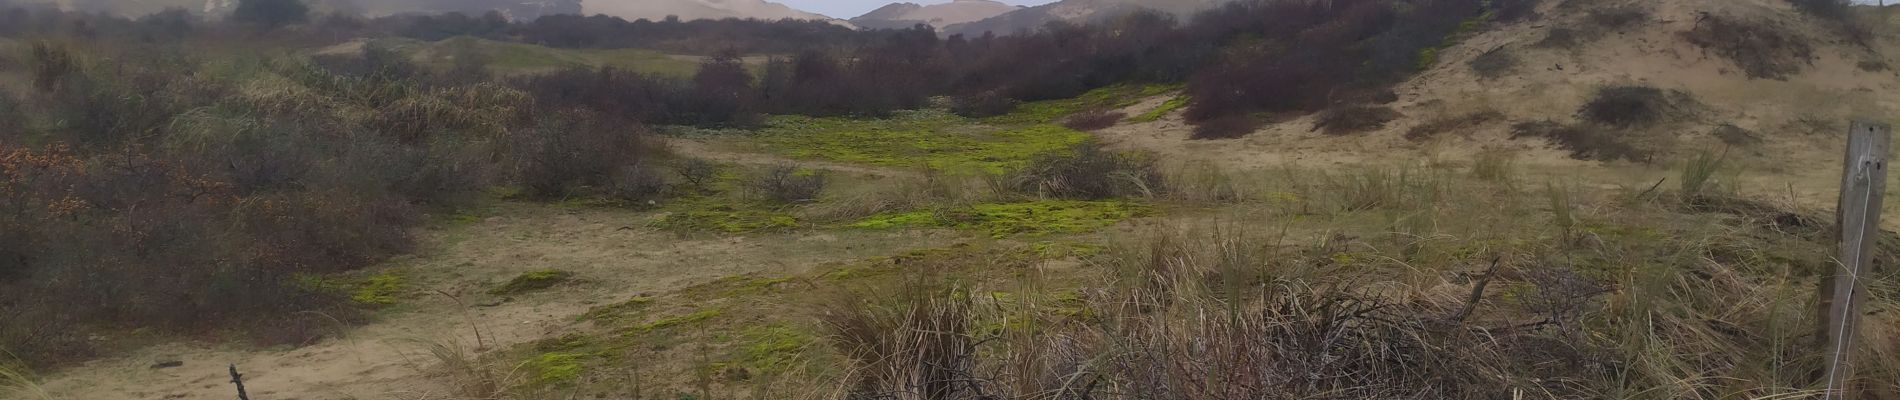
column 1361, row 283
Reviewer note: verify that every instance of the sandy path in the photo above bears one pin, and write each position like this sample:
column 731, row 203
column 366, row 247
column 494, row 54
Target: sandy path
column 612, row 255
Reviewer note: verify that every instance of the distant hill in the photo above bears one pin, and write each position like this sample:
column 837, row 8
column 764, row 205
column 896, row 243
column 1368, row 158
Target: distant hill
column 1076, row 11
column 515, row 9
column 905, row 15
column 696, row 9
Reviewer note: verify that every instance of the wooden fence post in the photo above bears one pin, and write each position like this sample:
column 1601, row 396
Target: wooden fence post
column 1863, row 182
column 238, row 379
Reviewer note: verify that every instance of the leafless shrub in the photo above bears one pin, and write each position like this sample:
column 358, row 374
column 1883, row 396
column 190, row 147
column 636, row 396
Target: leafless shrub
column 787, row 184
column 572, row 152
column 696, row 172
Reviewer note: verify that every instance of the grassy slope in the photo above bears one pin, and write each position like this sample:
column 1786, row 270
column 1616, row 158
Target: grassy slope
column 1623, row 280
column 941, row 141
column 519, row 58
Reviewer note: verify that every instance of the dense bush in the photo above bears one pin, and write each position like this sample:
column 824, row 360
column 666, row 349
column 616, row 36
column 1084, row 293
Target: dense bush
column 1088, row 172
column 157, row 193
column 1323, row 50
column 576, row 153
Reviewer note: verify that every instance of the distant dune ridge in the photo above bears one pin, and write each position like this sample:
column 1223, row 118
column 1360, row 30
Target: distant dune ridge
column 696, row 9
column 904, row 15
column 517, row 9
column 1077, row 11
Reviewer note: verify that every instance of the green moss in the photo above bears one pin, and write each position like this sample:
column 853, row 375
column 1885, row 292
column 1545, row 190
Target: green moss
column 1000, row 220
column 931, row 139
column 773, row 348
column 532, row 281
column 943, row 141
column 677, row 320
column 1163, row 110
column 378, row 290
column 617, row 311
column 555, row 367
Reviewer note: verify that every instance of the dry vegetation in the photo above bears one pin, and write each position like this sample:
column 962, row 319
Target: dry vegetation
column 153, row 190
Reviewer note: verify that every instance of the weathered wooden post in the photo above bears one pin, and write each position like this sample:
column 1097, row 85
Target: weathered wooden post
column 238, row 380
column 1863, row 181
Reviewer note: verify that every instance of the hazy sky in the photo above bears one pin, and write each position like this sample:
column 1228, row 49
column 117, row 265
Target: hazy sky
column 853, row 8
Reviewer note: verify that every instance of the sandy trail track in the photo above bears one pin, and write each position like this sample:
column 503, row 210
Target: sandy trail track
column 611, row 253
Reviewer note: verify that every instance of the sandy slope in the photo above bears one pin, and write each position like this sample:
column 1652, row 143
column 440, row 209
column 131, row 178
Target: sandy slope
column 1795, row 157
column 611, row 254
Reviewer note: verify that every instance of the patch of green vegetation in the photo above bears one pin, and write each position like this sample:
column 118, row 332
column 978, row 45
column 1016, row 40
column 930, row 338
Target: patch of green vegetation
column 617, row 311
column 1036, row 218
column 1163, row 110
column 532, row 281
column 726, row 218
column 943, row 141
column 773, row 348
column 932, row 139
column 677, row 320
column 568, row 342
column 555, row 367
column 378, row 290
